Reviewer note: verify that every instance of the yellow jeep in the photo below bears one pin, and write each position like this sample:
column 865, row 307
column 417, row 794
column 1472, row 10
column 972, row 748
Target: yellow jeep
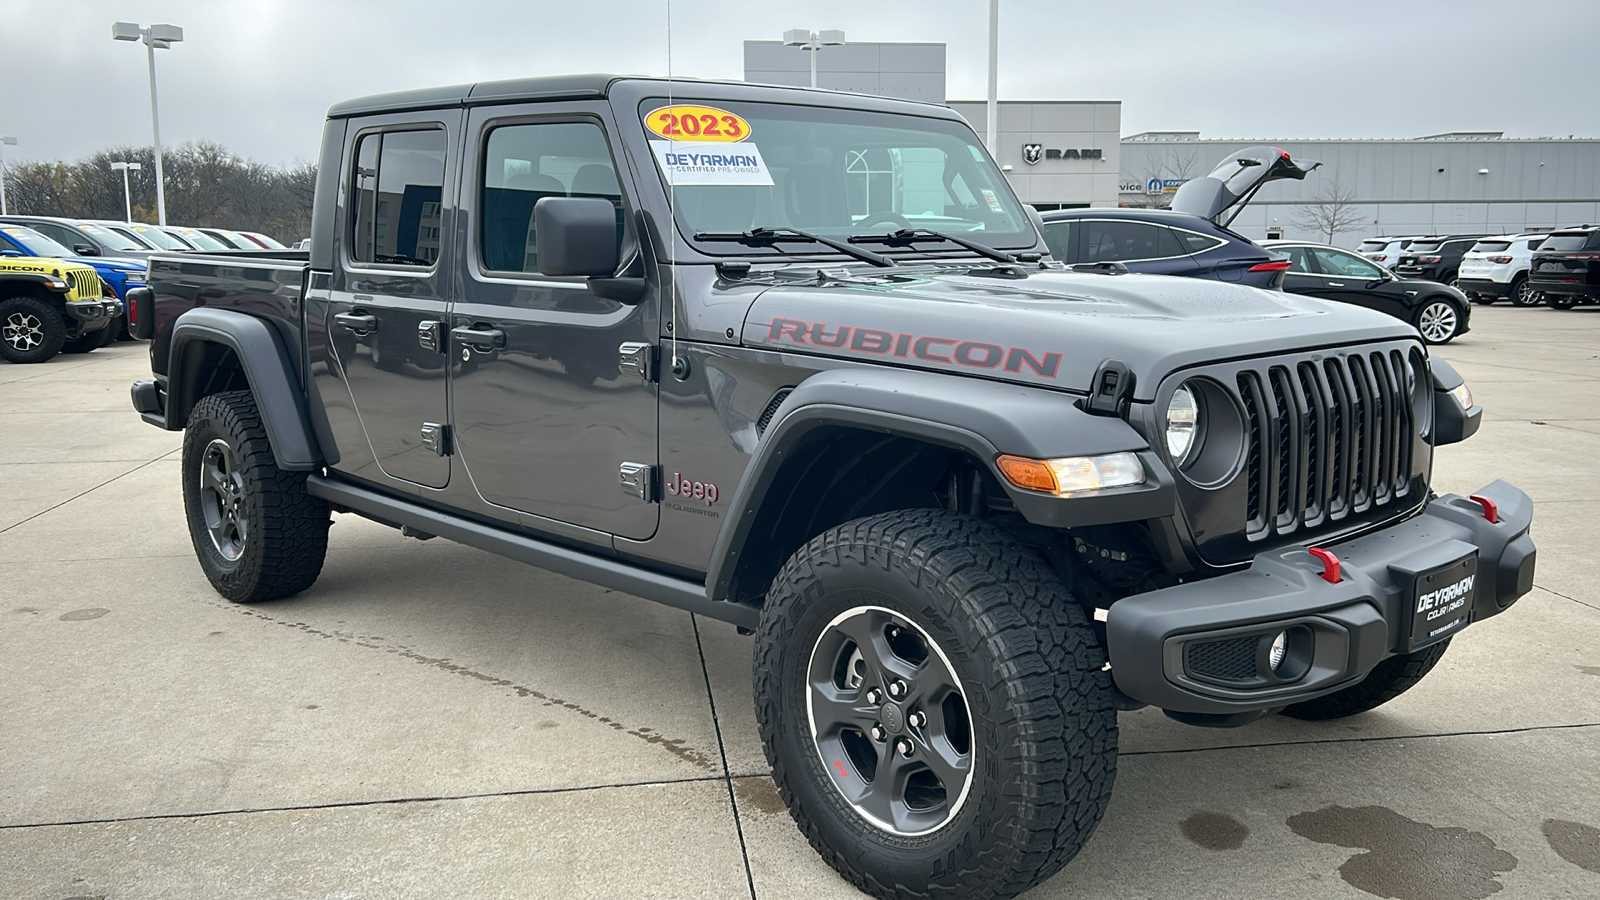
column 50, row 305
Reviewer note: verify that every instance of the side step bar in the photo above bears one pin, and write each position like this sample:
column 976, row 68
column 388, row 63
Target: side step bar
column 676, row 592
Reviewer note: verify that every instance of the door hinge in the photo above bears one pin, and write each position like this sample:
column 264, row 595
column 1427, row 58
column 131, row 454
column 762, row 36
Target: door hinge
column 635, row 358
column 429, row 334
column 640, row 480
column 436, row 437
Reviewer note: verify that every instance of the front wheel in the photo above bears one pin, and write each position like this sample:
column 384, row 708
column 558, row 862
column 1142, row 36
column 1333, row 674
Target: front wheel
column 94, row 340
column 257, row 532
column 31, row 330
column 1439, row 321
column 934, row 706
column 1387, row 680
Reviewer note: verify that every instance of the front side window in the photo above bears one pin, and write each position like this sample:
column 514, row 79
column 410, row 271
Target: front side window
column 524, row 163
column 1299, row 261
column 1111, row 241
column 1335, row 262
column 734, row 166
column 398, row 193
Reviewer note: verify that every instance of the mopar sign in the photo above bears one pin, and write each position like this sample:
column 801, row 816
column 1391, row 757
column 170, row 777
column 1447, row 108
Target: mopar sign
column 1164, row 185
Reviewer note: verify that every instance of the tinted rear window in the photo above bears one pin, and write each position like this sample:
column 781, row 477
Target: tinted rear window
column 1370, row 245
column 1423, row 246
column 1562, row 243
column 1491, row 246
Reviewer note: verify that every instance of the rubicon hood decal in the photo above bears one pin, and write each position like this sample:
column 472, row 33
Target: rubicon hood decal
column 1051, row 329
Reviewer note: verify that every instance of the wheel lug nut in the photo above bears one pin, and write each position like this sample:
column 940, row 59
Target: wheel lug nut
column 916, row 719
column 897, row 689
column 877, row 733
column 874, row 696
column 903, row 746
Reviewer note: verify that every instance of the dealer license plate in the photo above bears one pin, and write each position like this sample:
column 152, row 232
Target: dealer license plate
column 1441, row 602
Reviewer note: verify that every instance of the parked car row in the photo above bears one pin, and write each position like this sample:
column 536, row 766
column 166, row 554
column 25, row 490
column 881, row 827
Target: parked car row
column 1192, row 239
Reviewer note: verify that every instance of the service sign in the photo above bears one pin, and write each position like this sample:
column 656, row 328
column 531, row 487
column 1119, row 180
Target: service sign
column 700, row 124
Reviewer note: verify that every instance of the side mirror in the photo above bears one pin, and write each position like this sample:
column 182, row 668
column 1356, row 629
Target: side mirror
column 10, row 252
column 576, row 236
column 85, row 249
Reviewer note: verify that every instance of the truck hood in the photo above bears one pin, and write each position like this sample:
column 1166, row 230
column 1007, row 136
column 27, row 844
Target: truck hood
column 1235, row 180
column 1050, row 328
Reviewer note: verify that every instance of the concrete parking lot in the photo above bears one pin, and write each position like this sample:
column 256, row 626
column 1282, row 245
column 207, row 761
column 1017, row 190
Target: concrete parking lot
column 432, row 721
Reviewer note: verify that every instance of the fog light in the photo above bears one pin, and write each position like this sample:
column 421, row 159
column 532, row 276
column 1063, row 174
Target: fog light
column 1280, row 649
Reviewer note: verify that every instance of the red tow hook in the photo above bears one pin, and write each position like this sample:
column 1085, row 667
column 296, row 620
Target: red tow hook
column 1491, row 510
column 1330, row 564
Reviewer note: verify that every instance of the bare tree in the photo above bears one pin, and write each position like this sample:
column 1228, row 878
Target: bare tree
column 1332, row 212
column 1173, row 164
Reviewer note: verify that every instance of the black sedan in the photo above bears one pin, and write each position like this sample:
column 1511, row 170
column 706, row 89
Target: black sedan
column 1438, row 311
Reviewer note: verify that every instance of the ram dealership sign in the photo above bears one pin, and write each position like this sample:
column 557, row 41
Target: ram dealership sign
column 1032, row 153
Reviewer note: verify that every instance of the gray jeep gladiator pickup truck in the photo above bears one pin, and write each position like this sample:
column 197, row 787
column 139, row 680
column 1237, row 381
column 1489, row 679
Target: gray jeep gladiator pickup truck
column 799, row 361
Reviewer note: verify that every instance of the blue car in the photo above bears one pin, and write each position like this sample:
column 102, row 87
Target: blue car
column 121, row 275
column 1191, row 239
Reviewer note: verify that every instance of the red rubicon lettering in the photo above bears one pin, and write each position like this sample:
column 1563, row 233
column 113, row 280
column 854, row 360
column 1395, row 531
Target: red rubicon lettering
column 819, row 335
column 921, row 349
column 1016, row 356
column 790, row 327
column 983, row 356
column 869, row 340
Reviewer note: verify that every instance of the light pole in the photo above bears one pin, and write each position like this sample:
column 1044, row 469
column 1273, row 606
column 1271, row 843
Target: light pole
column 994, row 76
column 127, row 198
column 812, row 41
column 156, row 37
column 7, row 141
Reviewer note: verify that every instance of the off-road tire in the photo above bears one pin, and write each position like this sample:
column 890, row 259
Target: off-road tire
column 1387, row 680
column 34, row 331
column 287, row 536
column 1044, row 738
column 94, row 340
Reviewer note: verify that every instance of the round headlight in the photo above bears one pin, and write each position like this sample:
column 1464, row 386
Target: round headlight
column 1183, row 425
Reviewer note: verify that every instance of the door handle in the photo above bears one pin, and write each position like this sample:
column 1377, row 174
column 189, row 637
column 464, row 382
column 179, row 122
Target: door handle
column 1335, row 284
column 481, row 338
column 357, row 321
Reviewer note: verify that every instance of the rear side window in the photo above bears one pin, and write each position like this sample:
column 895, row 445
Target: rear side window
column 1196, row 243
column 1110, row 241
column 524, row 163
column 1491, row 246
column 399, row 195
column 1058, row 237
column 1535, row 243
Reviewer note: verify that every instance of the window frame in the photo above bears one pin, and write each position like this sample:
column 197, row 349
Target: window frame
column 351, row 207
column 474, row 182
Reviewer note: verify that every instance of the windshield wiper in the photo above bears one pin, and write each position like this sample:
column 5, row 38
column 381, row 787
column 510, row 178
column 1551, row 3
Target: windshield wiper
column 766, row 237
column 905, row 237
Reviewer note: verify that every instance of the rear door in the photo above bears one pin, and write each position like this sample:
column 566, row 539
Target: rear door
column 545, row 417
column 1351, row 279
column 389, row 293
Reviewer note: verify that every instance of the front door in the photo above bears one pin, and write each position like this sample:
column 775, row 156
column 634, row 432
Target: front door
column 389, row 297
column 544, row 417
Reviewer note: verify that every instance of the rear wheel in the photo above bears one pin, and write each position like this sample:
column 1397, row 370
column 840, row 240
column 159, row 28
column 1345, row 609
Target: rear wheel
column 31, row 330
column 1387, row 680
column 1560, row 301
column 1439, row 321
column 934, row 707
column 1523, row 294
column 257, row 532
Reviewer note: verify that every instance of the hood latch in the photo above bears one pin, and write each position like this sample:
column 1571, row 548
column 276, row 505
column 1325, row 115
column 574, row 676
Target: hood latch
column 1110, row 391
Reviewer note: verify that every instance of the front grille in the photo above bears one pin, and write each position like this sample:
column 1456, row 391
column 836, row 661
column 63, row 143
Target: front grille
column 1328, row 437
column 1233, row 659
column 82, row 283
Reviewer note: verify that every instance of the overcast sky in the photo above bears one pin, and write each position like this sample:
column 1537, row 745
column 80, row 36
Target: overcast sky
column 258, row 75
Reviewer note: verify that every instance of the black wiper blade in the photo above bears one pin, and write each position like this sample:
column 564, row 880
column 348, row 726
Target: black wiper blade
column 766, row 237
column 905, row 237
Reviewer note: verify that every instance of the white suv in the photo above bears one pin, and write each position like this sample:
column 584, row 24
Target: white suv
column 1497, row 267
column 1385, row 251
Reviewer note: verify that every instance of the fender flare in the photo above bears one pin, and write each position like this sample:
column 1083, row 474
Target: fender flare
column 41, row 279
column 267, row 366
column 982, row 418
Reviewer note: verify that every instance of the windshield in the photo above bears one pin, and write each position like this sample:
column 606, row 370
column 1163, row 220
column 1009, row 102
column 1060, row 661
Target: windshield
column 1569, row 242
column 202, row 241
column 269, row 241
column 831, row 172
column 36, row 243
column 109, row 238
column 158, row 237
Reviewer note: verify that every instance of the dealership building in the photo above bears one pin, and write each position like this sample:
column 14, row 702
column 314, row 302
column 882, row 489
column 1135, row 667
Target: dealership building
column 1071, row 153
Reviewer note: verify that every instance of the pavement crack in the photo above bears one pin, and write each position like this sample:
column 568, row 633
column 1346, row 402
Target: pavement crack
column 722, row 750
column 676, row 746
column 1567, row 597
column 1364, row 740
column 90, row 490
column 353, row 804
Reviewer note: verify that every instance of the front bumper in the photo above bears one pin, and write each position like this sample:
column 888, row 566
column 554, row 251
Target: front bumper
column 1202, row 648
column 93, row 314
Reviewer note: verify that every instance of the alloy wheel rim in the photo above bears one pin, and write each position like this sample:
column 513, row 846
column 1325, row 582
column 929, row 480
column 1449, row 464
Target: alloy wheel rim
column 1525, row 295
column 889, row 721
column 24, row 331
column 222, row 499
column 1437, row 322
